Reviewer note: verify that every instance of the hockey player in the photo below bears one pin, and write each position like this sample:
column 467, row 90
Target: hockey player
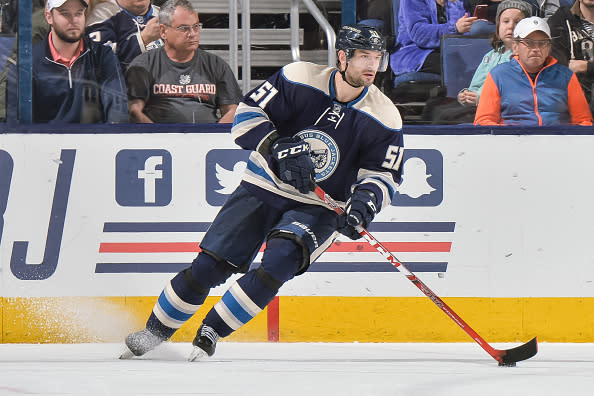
column 307, row 123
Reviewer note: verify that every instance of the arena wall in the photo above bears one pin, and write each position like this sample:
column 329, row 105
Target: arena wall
column 499, row 223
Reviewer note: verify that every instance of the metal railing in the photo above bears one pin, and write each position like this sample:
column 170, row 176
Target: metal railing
column 246, row 65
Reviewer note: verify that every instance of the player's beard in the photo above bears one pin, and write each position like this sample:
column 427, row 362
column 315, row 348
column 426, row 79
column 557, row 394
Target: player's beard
column 70, row 36
column 357, row 81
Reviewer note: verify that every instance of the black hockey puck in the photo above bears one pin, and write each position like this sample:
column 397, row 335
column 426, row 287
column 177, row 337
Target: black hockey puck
column 511, row 364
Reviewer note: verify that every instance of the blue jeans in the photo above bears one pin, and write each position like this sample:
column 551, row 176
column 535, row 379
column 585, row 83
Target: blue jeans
column 482, row 28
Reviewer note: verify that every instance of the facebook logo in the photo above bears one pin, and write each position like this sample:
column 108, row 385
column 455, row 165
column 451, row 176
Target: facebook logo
column 224, row 170
column 422, row 178
column 143, row 178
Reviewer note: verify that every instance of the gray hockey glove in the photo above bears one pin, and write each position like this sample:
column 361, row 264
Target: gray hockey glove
column 295, row 166
column 360, row 210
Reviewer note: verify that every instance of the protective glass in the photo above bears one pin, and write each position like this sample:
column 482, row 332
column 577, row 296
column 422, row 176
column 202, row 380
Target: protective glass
column 372, row 59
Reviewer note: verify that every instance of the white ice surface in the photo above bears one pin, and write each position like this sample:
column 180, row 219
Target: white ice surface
column 295, row 369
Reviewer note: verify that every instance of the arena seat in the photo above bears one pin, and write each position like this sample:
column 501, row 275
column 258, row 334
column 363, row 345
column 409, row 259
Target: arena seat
column 460, row 56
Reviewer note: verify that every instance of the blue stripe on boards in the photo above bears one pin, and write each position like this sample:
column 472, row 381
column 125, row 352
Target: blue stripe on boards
column 170, row 310
column 411, row 226
column 378, row 226
column 139, row 268
column 157, row 227
column 237, row 310
column 376, row 267
column 318, row 266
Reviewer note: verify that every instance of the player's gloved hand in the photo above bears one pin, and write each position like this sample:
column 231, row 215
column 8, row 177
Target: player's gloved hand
column 295, row 166
column 360, row 210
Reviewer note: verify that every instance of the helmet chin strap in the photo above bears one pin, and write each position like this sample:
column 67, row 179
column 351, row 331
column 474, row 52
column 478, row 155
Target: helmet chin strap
column 343, row 74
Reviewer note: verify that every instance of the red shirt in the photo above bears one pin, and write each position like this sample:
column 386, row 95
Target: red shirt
column 59, row 58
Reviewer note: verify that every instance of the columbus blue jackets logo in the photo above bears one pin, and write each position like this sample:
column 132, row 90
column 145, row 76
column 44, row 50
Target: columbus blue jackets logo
column 422, row 179
column 324, row 152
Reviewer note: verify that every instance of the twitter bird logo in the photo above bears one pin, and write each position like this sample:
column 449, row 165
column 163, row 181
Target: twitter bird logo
column 224, row 170
column 229, row 179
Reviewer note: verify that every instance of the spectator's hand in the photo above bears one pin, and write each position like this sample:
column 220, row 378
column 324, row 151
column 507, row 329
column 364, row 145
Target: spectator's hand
column 151, row 31
column 467, row 98
column 463, row 24
column 578, row 66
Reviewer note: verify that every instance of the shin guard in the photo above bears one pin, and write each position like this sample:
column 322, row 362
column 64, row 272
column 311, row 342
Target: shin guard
column 185, row 293
column 253, row 291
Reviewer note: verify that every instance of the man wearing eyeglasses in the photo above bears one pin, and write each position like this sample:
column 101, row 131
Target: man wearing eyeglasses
column 532, row 88
column 181, row 83
column 130, row 29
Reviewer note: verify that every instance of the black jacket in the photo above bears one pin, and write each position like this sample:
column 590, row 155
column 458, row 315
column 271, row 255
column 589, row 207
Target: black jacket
column 92, row 90
column 572, row 41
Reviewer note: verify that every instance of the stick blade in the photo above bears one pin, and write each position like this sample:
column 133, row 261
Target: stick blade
column 519, row 353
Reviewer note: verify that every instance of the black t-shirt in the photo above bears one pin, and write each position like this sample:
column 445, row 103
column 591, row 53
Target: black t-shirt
column 441, row 14
column 189, row 92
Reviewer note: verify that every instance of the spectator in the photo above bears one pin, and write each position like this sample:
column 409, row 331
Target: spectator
column 421, row 23
column 376, row 13
column 549, row 7
column 486, row 26
column 74, row 79
column 532, row 88
column 9, row 14
column 131, row 31
column 509, row 13
column 100, row 10
column 573, row 43
column 181, row 82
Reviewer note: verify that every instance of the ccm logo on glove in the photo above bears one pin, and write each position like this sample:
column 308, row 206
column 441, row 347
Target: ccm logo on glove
column 293, row 150
column 294, row 163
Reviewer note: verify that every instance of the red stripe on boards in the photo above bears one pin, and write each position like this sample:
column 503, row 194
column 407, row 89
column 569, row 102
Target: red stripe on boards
column 193, row 247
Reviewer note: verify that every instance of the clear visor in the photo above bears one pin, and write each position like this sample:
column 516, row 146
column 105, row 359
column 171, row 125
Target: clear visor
column 373, row 60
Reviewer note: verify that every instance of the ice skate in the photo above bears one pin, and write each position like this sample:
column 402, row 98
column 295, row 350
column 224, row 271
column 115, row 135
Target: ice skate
column 204, row 343
column 140, row 343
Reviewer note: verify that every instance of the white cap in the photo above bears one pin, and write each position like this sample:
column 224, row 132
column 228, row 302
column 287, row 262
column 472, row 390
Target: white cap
column 530, row 25
column 51, row 4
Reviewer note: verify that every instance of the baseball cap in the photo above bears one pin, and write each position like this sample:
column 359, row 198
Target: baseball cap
column 530, row 25
column 51, row 4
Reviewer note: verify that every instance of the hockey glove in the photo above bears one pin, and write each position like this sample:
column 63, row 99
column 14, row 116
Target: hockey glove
column 295, row 166
column 360, row 210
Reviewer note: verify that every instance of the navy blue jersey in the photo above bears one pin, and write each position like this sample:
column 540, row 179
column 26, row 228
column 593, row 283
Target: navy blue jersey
column 352, row 144
column 122, row 33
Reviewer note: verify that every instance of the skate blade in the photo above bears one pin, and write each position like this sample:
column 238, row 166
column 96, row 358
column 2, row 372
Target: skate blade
column 127, row 355
column 197, row 354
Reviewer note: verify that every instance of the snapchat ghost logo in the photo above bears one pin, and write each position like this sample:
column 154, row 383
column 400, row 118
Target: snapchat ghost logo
column 422, row 178
column 414, row 178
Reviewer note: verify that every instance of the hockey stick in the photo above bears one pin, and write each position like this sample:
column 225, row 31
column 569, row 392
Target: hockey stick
column 505, row 357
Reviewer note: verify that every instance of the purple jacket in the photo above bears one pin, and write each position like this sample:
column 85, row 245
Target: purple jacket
column 419, row 33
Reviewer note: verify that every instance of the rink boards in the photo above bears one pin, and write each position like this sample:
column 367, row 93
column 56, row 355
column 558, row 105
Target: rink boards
column 499, row 226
